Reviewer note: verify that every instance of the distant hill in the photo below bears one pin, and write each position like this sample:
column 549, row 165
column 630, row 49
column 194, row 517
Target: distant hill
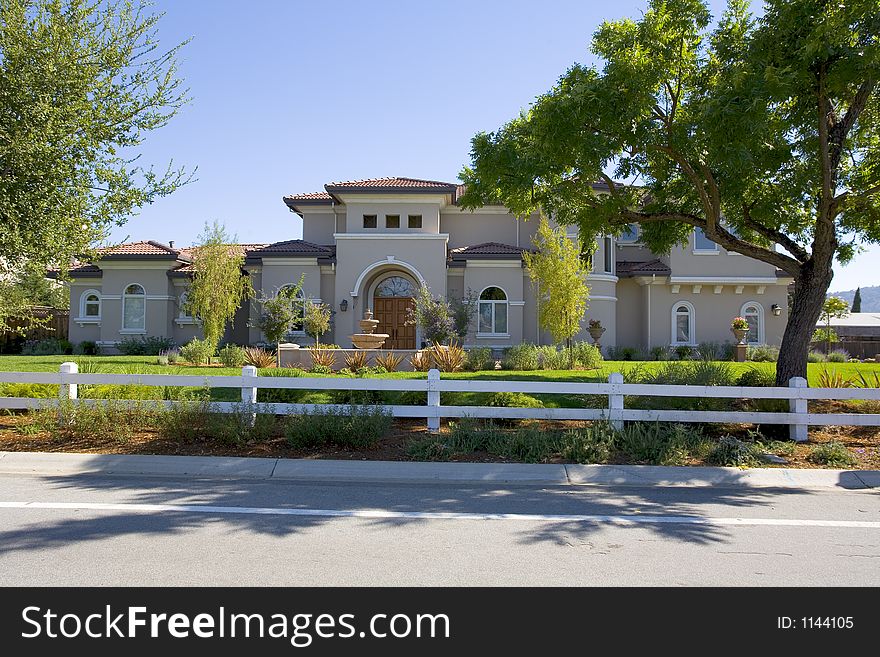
column 870, row 298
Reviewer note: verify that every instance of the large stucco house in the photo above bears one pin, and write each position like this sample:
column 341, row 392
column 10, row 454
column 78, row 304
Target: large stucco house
column 368, row 244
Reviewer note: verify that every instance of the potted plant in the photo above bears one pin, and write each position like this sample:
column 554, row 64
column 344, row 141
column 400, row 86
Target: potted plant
column 596, row 330
column 740, row 328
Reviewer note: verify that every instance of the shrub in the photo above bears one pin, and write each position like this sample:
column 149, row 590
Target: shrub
column 832, row 453
column 320, row 369
column 144, row 346
column 870, row 381
column 87, row 348
column 522, row 357
column 593, row 444
column 551, row 358
column 359, row 427
column 355, row 360
column 357, row 397
column 47, row 347
column 390, row 361
column 480, row 358
column 162, row 360
column 412, row 398
column 246, row 423
column 173, row 356
column 587, row 355
column 838, row 356
column 186, row 420
column 448, row 359
column 683, row 352
column 815, row 357
column 29, row 390
column 623, row 353
column 259, row 357
column 732, row 452
column 197, row 352
column 323, row 357
column 756, row 377
column 710, row 351
column 660, row 443
column 698, row 373
column 232, row 356
column 659, row 353
column 514, row 400
column 420, row 361
column 117, row 420
column 762, row 353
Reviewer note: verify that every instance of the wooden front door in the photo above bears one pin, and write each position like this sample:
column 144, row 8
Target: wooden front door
column 392, row 312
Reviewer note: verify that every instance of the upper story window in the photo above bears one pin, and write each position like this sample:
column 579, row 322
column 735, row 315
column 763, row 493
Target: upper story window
column 630, row 235
column 370, row 221
column 414, row 221
column 90, row 305
column 134, row 308
column 392, row 221
column 608, row 260
column 493, row 312
column 181, row 301
column 703, row 244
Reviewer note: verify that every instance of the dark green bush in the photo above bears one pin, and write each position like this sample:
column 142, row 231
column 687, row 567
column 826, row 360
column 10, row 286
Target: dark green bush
column 356, row 427
column 144, row 346
column 479, row 358
column 47, row 347
column 756, row 378
column 522, row 357
column 592, row 444
column 87, row 348
column 733, row 452
column 762, row 353
column 231, row 356
column 514, row 400
column 660, row 443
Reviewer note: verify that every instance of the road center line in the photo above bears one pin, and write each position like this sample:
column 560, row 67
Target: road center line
column 439, row 515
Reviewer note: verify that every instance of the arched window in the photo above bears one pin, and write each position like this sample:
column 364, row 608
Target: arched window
column 298, row 305
column 754, row 315
column 134, row 308
column 395, row 286
column 493, row 311
column 90, row 305
column 683, row 329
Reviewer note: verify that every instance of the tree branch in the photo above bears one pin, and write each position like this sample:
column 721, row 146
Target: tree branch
column 774, row 235
column 842, row 128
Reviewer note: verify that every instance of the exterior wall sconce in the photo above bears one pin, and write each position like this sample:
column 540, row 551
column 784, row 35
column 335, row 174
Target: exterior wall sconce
column 343, row 305
column 776, row 310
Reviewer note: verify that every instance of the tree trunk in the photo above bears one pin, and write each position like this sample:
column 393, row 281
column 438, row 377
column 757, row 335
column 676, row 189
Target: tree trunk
column 806, row 307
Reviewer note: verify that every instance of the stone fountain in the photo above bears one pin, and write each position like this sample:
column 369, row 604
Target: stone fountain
column 368, row 339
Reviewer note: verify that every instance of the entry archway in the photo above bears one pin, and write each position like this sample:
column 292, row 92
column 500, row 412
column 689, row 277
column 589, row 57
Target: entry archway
column 393, row 298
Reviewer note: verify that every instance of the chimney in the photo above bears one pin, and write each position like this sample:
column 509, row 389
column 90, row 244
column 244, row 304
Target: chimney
column 171, row 244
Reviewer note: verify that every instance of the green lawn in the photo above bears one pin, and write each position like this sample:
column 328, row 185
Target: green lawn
column 147, row 365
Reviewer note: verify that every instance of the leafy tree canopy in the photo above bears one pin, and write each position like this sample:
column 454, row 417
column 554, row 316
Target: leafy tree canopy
column 762, row 132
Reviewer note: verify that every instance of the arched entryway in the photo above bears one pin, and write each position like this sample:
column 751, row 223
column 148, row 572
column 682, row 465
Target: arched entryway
column 392, row 299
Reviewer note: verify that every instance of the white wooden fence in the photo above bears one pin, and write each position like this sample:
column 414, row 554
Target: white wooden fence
column 798, row 394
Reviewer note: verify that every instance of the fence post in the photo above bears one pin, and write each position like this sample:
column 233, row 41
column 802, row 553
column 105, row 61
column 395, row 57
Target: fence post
column 249, row 392
column 67, row 391
column 615, row 401
column 797, row 432
column 433, row 401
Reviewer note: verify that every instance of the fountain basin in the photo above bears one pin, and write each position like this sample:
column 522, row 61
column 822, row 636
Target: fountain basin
column 368, row 340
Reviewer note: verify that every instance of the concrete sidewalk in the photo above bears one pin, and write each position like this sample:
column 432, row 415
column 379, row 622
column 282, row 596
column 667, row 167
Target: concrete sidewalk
column 60, row 464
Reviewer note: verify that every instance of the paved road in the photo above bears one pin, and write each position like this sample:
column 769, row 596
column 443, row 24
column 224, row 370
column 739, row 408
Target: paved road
column 101, row 529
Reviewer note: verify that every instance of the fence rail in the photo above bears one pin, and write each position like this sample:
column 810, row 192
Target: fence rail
column 797, row 393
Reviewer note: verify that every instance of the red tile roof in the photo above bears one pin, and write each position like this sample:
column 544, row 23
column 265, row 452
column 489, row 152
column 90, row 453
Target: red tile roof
column 395, row 182
column 311, row 196
column 144, row 248
column 292, row 247
column 487, row 250
column 635, row 268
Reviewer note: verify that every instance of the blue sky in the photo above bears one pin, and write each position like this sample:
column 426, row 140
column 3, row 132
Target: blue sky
column 289, row 95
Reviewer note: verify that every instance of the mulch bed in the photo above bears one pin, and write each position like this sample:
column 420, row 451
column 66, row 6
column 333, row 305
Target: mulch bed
column 862, row 442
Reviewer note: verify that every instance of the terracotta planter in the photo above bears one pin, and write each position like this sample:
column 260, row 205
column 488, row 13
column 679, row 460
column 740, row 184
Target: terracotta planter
column 739, row 334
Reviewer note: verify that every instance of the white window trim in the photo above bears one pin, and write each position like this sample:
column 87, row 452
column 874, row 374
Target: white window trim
column 494, row 302
column 133, row 331
column 692, row 325
column 89, row 319
column 760, row 307
column 697, row 251
column 607, row 253
column 635, row 242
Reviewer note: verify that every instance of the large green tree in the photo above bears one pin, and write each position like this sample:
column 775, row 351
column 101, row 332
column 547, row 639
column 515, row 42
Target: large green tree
column 764, row 133
column 559, row 278
column 82, row 83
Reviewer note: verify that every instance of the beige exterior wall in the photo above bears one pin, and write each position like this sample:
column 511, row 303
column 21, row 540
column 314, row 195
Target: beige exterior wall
column 79, row 331
column 319, row 227
column 428, row 208
column 687, row 261
column 507, row 275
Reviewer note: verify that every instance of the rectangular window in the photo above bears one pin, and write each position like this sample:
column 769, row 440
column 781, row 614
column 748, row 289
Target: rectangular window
column 606, row 243
column 630, row 235
column 486, row 318
column 370, row 221
column 392, row 221
column 703, row 243
column 682, row 328
column 134, row 312
column 414, row 221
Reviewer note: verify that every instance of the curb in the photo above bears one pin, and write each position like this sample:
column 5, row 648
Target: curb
column 63, row 464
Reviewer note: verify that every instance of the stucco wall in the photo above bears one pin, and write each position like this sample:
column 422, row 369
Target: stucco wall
column 508, row 275
column 77, row 332
column 158, row 296
column 684, row 262
column 318, row 227
column 430, row 216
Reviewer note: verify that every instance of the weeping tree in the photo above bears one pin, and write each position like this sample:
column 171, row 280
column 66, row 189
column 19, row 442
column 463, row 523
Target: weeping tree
column 764, row 133
column 82, row 86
